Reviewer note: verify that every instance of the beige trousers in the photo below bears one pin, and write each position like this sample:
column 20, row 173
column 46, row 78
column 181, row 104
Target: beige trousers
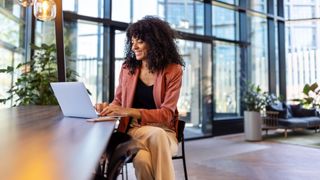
column 154, row 159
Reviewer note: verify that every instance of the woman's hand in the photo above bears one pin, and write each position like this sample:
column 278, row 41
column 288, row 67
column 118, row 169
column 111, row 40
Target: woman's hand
column 114, row 110
column 100, row 106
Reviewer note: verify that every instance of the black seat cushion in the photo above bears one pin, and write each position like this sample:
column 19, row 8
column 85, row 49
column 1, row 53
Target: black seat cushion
column 306, row 112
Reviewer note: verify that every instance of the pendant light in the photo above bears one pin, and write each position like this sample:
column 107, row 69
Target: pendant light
column 45, row 10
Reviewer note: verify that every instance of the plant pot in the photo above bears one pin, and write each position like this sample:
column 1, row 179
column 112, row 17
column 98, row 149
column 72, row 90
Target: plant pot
column 252, row 126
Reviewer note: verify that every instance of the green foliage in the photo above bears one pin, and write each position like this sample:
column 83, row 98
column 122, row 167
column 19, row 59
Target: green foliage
column 311, row 96
column 254, row 99
column 33, row 85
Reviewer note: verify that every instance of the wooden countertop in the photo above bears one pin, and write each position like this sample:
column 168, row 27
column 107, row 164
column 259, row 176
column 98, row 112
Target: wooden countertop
column 37, row 142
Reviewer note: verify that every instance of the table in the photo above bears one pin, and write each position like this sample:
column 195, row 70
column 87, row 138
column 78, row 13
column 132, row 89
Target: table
column 37, row 142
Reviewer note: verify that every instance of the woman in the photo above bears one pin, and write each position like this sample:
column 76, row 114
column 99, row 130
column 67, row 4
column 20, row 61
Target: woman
column 148, row 92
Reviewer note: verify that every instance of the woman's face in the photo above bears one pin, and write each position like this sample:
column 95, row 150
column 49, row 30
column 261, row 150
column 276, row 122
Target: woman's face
column 140, row 48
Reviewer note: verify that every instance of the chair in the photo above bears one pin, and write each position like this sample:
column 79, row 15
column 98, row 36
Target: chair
column 180, row 137
column 270, row 121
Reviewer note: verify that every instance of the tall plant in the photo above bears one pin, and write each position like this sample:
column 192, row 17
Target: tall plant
column 33, row 85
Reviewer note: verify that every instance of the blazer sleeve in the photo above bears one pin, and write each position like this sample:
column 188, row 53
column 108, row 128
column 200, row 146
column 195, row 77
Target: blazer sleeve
column 167, row 111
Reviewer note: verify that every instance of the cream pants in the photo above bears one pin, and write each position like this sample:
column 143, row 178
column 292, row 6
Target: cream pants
column 154, row 159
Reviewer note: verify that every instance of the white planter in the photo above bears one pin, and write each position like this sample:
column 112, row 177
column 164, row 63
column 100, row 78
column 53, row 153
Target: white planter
column 252, row 126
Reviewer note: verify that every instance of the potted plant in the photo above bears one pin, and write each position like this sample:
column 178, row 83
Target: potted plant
column 254, row 101
column 311, row 97
column 33, row 84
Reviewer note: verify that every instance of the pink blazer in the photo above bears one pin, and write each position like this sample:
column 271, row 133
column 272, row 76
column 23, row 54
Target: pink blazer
column 166, row 92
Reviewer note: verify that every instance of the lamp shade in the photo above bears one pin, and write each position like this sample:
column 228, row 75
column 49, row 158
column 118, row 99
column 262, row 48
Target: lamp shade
column 45, row 10
column 25, row 3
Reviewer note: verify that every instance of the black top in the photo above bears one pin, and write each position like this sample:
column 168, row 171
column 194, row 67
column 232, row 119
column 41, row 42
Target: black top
column 143, row 96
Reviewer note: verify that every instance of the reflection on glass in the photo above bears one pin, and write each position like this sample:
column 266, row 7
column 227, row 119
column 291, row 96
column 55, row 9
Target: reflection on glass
column 258, row 5
column 227, row 76
column 224, row 23
column 83, row 50
column 258, row 52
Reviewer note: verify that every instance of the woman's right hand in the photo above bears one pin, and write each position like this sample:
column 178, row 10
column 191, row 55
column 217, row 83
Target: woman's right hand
column 100, row 106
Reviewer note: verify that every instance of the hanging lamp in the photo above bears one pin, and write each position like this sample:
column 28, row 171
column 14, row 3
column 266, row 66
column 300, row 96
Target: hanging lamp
column 45, row 10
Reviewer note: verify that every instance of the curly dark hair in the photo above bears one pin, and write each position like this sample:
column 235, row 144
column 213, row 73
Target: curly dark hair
column 161, row 40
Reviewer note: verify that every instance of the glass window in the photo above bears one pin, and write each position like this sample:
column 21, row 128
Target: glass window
column 275, row 6
column 45, row 32
column 302, row 56
column 9, row 57
column 225, row 23
column 120, row 38
column 83, row 51
column 195, row 102
column 12, row 41
column 12, row 24
column 227, row 76
column 258, row 5
column 277, row 60
column 302, row 67
column 92, row 8
column 303, row 37
column 258, row 52
column 121, row 10
column 302, row 12
column 183, row 15
column 132, row 10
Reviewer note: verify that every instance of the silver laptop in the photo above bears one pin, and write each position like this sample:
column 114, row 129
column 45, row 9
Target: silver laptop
column 74, row 101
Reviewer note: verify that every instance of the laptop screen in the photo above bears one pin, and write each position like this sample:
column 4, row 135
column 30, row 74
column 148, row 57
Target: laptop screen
column 74, row 99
